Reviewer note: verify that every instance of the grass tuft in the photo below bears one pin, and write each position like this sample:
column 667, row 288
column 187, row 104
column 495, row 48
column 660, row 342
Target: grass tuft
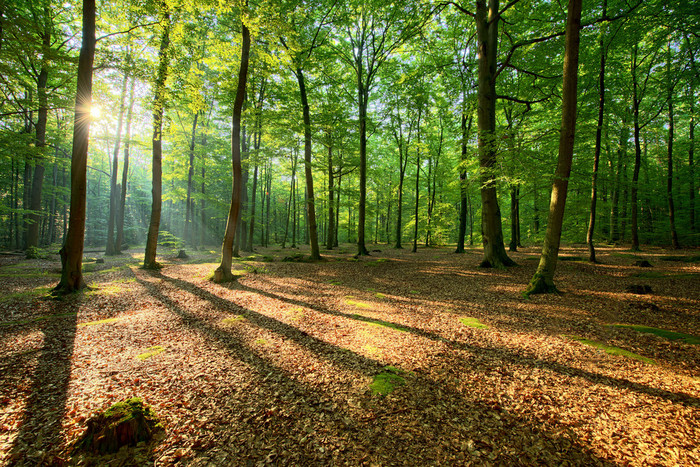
column 102, row 321
column 150, row 352
column 670, row 335
column 613, row 350
column 473, row 323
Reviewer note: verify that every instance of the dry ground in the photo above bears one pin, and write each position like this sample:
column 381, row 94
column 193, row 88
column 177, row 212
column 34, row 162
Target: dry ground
column 275, row 368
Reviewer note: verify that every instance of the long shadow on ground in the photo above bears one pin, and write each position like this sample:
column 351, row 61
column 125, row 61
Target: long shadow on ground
column 40, row 428
column 407, row 428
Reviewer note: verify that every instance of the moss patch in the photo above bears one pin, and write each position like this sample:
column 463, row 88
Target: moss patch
column 126, row 423
column 37, row 319
column 102, row 321
column 473, row 323
column 150, row 352
column 357, row 304
column 379, row 295
column 234, row 319
column 670, row 335
column 613, row 350
column 385, row 382
column 26, row 294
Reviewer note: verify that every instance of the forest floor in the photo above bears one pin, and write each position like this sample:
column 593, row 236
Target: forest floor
column 277, row 367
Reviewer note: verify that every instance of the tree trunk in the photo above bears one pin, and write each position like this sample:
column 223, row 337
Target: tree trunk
column 598, row 143
column 189, row 206
column 125, row 171
column 310, row 201
column 543, row 280
column 331, row 198
column 149, row 261
column 111, row 248
column 466, row 130
column 363, row 95
column 72, row 251
column 669, row 180
column 223, row 272
column 513, row 245
column 617, row 184
column 491, row 227
column 40, row 140
column 415, row 225
column 636, row 100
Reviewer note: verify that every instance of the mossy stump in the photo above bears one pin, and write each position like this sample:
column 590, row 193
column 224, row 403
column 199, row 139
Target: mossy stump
column 126, row 423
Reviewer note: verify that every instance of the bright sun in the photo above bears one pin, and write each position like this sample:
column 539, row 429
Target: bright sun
column 95, row 111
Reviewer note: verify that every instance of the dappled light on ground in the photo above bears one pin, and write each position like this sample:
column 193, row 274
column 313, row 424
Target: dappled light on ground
column 285, row 365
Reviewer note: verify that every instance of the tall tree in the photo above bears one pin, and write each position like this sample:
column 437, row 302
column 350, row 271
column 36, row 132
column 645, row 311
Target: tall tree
column 72, row 250
column 149, row 261
column 111, row 249
column 543, row 280
column 223, row 272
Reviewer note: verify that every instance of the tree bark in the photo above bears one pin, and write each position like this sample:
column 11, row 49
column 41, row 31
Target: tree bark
column 149, row 261
column 331, row 198
column 598, row 143
column 223, row 272
column 363, row 95
column 636, row 101
column 491, row 226
column 189, row 205
column 34, row 217
column 111, row 248
column 543, row 280
column 72, row 251
column 463, row 204
column 669, row 180
column 310, row 201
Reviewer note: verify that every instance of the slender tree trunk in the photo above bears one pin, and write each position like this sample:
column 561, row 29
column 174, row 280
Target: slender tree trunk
column 223, row 272
column 513, row 245
column 189, row 205
column 415, row 225
column 617, row 187
column 331, row 198
column 491, row 227
column 543, row 280
column 72, row 251
column 691, row 162
column 636, row 100
column 463, row 195
column 598, row 143
column 669, row 180
column 111, row 248
column 337, row 209
column 40, row 140
column 310, row 201
column 363, row 94
column 203, row 202
column 125, row 171
column 149, row 261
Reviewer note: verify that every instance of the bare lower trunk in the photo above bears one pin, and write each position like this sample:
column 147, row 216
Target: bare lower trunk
column 149, row 261
column 72, row 251
column 543, row 280
column 491, row 227
column 223, row 272
column 111, row 248
column 125, row 172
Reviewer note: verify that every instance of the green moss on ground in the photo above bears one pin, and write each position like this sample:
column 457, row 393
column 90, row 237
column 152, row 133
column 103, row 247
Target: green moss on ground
column 234, row 319
column 102, row 321
column 150, row 352
column 473, row 323
column 670, row 335
column 613, row 350
column 386, row 382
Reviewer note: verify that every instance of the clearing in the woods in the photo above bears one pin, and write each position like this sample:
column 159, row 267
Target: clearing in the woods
column 395, row 358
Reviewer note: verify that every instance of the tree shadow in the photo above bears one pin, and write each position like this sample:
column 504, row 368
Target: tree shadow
column 497, row 353
column 368, row 435
column 40, row 431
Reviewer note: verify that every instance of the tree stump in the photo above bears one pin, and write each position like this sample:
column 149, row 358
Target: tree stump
column 126, row 423
column 182, row 254
column 642, row 263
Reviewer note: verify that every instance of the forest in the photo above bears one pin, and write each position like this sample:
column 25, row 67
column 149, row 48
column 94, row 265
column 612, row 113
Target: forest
column 355, row 220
